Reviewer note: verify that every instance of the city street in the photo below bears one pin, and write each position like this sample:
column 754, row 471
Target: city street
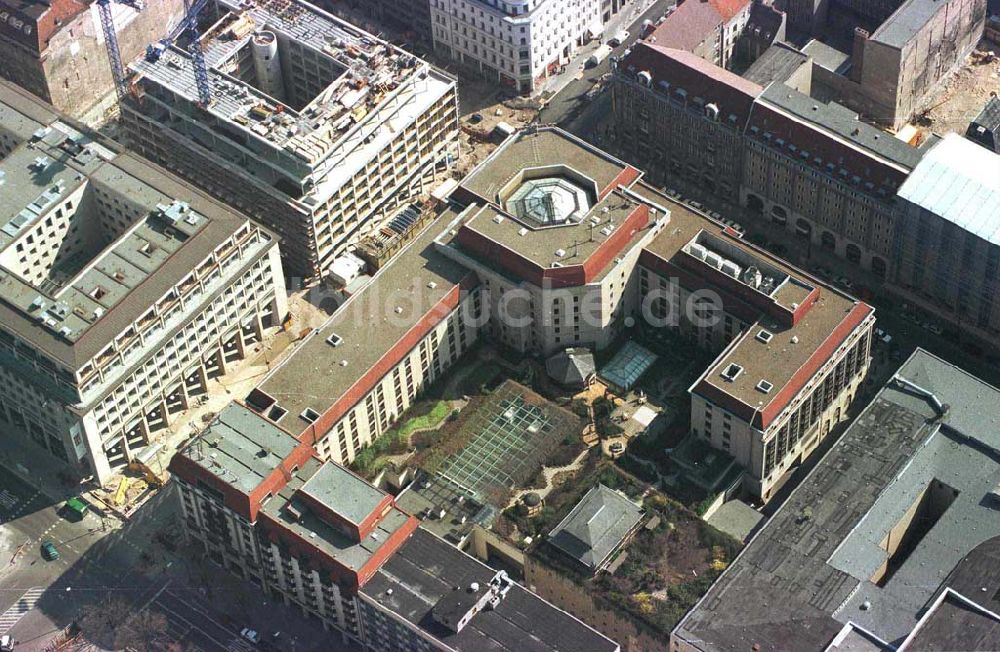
column 572, row 97
column 142, row 564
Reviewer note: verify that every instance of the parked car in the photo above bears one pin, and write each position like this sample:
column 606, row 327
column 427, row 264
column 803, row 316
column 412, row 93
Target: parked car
column 619, row 38
column 844, row 282
column 932, row 327
column 251, row 635
column 6, row 643
column 673, row 193
column 694, row 204
column 882, row 335
column 75, row 508
column 49, row 551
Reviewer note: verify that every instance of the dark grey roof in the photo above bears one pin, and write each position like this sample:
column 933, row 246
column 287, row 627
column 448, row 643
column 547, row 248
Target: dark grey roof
column 906, row 21
column 778, row 63
column 571, row 367
column 344, row 493
column 808, row 571
column 596, row 526
column 426, row 570
column 843, row 122
column 241, row 447
column 985, row 129
column 955, row 623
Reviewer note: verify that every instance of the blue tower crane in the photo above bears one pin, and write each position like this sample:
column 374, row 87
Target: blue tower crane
column 111, row 41
column 187, row 24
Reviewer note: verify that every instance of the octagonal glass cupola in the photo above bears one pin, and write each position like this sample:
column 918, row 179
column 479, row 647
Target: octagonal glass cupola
column 548, row 196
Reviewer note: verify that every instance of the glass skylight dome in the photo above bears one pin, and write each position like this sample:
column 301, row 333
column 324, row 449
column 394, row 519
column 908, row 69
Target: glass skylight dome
column 549, row 201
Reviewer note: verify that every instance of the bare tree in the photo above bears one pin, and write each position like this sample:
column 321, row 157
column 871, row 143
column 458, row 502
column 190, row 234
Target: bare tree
column 114, row 625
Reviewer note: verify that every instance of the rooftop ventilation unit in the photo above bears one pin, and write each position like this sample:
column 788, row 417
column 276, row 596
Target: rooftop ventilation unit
column 498, row 219
column 729, row 268
column 560, row 253
column 522, row 231
column 431, row 285
column 764, row 386
column 41, row 163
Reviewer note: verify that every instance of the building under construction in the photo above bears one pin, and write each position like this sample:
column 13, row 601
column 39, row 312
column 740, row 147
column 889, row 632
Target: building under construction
column 314, row 127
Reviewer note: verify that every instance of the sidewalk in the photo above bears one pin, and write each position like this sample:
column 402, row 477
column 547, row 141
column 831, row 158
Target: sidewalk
column 36, row 467
column 575, row 68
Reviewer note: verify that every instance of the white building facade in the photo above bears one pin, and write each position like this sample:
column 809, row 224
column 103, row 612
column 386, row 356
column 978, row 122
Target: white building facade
column 515, row 42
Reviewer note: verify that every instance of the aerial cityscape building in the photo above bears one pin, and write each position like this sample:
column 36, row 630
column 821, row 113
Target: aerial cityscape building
column 124, row 290
column 875, row 549
column 465, row 325
column 316, row 129
column 261, row 503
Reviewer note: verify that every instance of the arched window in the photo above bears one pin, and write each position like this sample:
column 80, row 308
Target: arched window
column 854, row 253
column 828, row 240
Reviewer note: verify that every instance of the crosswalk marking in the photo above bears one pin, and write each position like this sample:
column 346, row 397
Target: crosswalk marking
column 27, row 602
column 12, row 505
column 8, row 499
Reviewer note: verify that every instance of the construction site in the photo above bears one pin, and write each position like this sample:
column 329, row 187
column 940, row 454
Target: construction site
column 963, row 94
column 312, row 126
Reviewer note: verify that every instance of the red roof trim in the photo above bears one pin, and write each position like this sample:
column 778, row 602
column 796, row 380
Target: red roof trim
column 389, row 360
column 855, row 318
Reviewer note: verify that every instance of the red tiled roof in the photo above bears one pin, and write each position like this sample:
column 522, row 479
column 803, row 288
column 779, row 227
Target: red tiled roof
column 693, row 21
column 729, row 8
column 730, row 92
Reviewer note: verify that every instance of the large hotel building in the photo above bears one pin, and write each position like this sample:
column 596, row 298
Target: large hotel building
column 123, row 290
column 551, row 243
column 260, row 502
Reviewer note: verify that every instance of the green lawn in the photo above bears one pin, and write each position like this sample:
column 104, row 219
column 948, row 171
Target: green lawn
column 438, row 412
column 372, row 459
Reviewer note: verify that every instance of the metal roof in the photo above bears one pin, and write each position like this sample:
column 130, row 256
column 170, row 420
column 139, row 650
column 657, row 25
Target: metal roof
column 809, row 570
column 596, row 526
column 959, row 181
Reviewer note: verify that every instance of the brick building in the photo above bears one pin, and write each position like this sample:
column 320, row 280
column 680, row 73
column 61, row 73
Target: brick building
column 900, row 52
column 709, row 29
column 259, row 502
column 56, row 49
column 819, row 172
column 677, row 115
